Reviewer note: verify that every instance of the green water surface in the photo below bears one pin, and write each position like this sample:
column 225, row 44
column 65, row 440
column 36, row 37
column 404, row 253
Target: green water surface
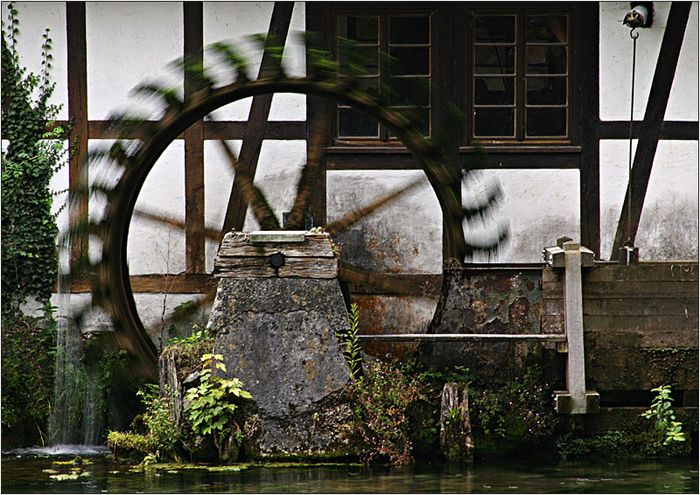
column 32, row 474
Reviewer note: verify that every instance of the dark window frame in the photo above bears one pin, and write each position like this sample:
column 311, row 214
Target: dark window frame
column 330, row 35
column 573, row 11
column 450, row 39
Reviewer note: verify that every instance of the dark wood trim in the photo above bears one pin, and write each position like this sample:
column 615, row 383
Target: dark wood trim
column 282, row 130
column 317, row 14
column 257, row 117
column 378, row 159
column 586, row 53
column 675, row 130
column 193, row 18
column 650, row 131
column 76, row 41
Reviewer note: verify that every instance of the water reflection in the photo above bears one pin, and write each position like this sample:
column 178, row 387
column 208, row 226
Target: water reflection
column 26, row 473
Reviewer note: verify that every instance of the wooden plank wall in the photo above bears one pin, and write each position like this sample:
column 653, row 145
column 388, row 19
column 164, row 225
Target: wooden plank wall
column 640, row 324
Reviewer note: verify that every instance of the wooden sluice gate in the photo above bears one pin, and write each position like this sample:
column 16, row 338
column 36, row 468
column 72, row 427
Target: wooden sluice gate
column 624, row 331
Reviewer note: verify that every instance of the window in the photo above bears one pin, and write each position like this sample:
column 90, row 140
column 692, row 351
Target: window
column 403, row 81
column 519, row 74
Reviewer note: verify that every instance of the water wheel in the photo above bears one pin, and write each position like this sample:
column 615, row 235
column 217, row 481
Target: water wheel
column 109, row 275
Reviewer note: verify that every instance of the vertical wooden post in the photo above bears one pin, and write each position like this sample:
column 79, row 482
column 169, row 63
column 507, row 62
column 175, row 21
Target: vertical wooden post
column 587, row 53
column 651, row 128
column 194, row 150
column 78, row 136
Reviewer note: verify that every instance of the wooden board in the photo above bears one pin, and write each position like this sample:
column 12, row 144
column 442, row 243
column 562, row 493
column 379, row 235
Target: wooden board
column 238, row 245
column 257, row 267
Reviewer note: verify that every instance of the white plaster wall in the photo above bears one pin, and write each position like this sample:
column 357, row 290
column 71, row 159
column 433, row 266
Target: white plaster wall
column 404, row 236
column 127, row 44
column 669, row 223
column 616, row 64
column 34, row 17
column 235, row 22
column 537, row 207
column 668, row 227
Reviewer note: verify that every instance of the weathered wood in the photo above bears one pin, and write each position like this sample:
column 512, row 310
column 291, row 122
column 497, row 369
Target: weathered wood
column 460, row 337
column 588, row 96
column 428, row 284
column 194, row 149
column 596, row 322
column 634, row 339
column 616, row 368
column 640, row 289
column 643, row 272
column 257, row 117
column 78, row 116
column 455, row 424
column 257, row 267
column 239, row 245
column 616, row 307
column 674, row 130
column 631, row 419
column 651, row 126
column 288, row 129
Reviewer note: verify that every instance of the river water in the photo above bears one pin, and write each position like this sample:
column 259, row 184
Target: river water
column 37, row 472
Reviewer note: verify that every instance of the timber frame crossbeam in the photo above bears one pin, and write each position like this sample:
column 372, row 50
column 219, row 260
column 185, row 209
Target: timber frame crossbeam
column 583, row 156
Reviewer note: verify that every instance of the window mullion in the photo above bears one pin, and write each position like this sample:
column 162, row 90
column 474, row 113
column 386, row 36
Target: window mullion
column 520, row 102
column 383, row 75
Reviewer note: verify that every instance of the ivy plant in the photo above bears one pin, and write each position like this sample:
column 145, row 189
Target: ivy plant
column 33, row 154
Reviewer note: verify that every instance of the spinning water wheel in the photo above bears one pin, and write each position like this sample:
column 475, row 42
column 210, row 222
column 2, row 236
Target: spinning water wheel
column 109, row 276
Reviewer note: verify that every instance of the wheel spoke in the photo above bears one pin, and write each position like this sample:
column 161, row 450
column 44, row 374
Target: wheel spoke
column 353, row 217
column 251, row 194
column 387, row 282
column 209, row 233
column 309, row 175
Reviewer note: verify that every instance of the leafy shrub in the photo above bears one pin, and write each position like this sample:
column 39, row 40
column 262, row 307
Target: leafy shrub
column 210, row 406
column 353, row 349
column 383, row 397
column 665, row 423
column 162, row 434
column 28, row 346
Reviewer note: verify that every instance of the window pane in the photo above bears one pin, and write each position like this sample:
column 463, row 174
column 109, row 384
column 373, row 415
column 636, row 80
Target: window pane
column 494, row 90
column 546, row 60
column 420, row 117
column 409, row 91
column 494, row 60
column 494, row 29
column 369, row 85
column 546, row 91
column 546, row 122
column 365, row 57
column 494, row 122
column 409, row 29
column 410, row 60
column 547, row 29
column 363, row 29
column 352, row 123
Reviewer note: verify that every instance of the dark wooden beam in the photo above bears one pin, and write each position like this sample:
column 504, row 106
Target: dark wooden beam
column 257, row 117
column 194, row 149
column 675, row 130
column 650, row 131
column 78, row 118
column 317, row 16
column 586, row 58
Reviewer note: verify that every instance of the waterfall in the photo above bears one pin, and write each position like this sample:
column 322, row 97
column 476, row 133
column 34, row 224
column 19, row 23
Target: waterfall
column 76, row 416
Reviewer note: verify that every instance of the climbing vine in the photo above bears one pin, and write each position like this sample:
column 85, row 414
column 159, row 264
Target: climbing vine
column 29, row 230
column 33, row 154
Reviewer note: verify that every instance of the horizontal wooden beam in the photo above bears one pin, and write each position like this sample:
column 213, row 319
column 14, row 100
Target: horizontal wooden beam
column 460, row 337
column 674, row 130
